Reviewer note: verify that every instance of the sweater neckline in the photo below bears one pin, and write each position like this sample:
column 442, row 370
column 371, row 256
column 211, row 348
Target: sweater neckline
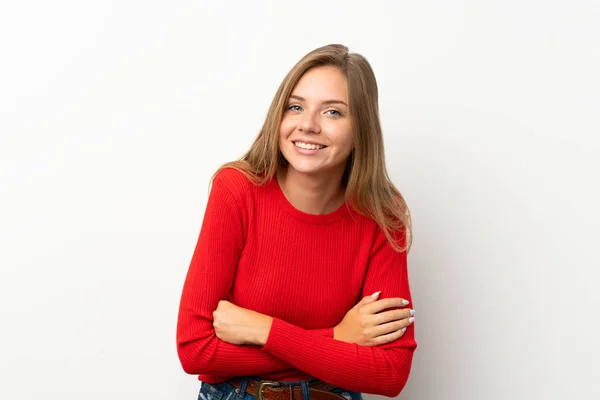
column 289, row 208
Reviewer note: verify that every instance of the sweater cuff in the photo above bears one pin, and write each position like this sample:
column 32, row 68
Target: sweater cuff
column 327, row 332
column 282, row 332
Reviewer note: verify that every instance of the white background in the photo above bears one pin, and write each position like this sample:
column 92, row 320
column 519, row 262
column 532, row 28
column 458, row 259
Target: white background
column 114, row 114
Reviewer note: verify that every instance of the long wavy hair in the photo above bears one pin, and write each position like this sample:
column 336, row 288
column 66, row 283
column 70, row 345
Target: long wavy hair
column 368, row 188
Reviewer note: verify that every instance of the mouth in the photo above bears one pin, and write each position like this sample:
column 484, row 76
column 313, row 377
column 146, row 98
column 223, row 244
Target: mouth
column 309, row 146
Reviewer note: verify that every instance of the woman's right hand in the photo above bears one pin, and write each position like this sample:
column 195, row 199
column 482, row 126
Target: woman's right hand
column 366, row 325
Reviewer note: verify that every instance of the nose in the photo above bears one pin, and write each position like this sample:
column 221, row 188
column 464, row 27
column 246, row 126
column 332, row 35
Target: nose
column 309, row 123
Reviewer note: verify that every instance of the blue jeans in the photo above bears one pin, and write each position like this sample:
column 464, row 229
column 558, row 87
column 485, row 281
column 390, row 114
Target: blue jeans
column 226, row 391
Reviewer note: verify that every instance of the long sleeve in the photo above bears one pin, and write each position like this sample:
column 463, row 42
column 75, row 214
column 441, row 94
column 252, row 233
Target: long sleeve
column 380, row 370
column 209, row 279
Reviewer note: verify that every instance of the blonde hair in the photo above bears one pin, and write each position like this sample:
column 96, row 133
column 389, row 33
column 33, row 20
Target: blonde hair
column 368, row 188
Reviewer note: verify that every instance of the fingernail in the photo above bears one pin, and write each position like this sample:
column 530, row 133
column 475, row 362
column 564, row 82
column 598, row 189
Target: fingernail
column 375, row 295
column 411, row 320
column 405, row 302
column 403, row 330
column 412, row 312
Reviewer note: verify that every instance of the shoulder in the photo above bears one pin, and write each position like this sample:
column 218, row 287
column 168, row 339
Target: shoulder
column 233, row 181
column 231, row 176
column 390, row 232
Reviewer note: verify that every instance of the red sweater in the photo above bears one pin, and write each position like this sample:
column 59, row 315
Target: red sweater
column 306, row 271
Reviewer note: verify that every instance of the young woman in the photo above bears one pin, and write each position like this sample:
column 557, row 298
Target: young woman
column 295, row 232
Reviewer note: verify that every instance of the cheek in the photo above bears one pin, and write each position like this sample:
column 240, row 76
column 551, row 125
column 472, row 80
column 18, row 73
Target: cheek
column 344, row 139
column 286, row 127
column 348, row 140
column 347, row 149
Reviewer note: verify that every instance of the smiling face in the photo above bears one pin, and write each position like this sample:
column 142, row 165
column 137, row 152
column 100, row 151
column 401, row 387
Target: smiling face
column 315, row 135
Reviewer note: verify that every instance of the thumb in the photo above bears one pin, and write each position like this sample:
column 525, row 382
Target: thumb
column 367, row 299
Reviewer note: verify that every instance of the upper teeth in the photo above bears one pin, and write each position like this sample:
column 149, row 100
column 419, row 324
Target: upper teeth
column 309, row 146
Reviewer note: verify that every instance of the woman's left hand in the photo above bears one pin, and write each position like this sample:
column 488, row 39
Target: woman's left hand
column 237, row 325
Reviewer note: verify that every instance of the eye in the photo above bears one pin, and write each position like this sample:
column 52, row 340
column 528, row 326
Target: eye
column 334, row 113
column 294, row 107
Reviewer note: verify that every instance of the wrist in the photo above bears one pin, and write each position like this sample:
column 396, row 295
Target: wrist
column 263, row 331
column 339, row 334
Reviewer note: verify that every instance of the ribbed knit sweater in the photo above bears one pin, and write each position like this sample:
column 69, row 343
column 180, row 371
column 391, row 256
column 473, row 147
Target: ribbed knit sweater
column 306, row 271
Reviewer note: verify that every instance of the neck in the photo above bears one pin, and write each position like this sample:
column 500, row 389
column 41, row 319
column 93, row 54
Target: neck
column 312, row 194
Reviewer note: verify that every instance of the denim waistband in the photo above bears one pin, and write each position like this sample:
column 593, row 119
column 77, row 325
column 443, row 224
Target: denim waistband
column 227, row 391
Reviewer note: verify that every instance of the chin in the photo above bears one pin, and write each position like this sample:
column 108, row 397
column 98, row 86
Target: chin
column 304, row 169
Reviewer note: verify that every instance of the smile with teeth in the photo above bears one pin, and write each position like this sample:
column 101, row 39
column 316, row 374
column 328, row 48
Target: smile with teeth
column 309, row 146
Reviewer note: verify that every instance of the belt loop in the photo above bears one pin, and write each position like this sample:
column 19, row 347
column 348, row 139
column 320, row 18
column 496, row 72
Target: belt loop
column 243, row 386
column 305, row 390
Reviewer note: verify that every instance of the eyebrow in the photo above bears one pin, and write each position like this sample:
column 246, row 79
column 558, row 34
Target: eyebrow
column 325, row 102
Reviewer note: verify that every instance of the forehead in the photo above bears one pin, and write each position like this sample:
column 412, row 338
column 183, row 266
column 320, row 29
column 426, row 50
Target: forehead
column 322, row 83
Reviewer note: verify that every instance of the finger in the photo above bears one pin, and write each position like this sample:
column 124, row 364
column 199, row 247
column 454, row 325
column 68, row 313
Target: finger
column 397, row 333
column 392, row 315
column 390, row 337
column 362, row 302
column 390, row 327
column 392, row 302
column 367, row 299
